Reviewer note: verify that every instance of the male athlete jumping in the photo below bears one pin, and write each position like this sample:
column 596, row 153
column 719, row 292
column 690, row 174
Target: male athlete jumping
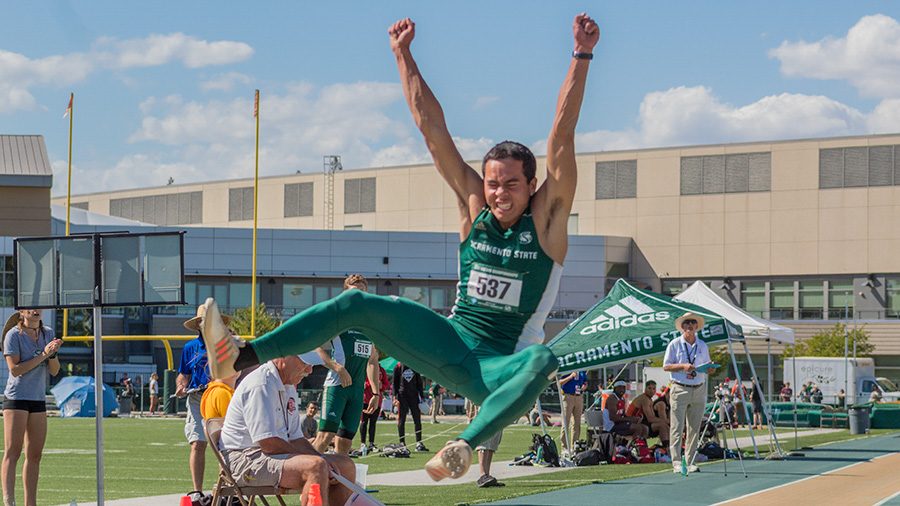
column 514, row 241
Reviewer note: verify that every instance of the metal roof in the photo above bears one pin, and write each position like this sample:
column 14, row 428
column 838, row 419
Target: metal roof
column 24, row 161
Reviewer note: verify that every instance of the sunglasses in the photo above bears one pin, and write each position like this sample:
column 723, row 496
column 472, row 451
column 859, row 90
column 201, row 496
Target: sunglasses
column 689, row 322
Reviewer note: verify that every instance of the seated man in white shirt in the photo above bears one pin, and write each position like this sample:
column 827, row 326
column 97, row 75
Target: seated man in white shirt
column 262, row 441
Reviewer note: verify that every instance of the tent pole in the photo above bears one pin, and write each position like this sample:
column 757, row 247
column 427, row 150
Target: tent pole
column 794, row 398
column 737, row 372
column 770, row 375
column 541, row 416
column 766, row 411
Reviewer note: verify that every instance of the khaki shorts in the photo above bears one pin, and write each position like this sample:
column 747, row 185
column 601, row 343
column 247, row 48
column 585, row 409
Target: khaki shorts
column 193, row 423
column 252, row 468
column 492, row 443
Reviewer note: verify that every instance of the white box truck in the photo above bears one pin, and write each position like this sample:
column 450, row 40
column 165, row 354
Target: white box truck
column 855, row 375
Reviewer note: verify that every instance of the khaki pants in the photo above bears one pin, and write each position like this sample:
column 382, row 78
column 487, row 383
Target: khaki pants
column 688, row 404
column 573, row 406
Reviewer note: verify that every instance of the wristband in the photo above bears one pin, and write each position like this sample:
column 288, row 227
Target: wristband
column 52, row 356
column 582, row 56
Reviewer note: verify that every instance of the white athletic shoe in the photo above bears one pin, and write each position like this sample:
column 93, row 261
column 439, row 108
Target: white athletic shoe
column 221, row 348
column 676, row 467
column 693, row 469
column 451, row 461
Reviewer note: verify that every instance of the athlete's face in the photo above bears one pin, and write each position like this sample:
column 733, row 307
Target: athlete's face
column 650, row 390
column 506, row 190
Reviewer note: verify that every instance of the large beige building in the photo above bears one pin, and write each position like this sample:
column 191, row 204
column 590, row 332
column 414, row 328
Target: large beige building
column 804, row 231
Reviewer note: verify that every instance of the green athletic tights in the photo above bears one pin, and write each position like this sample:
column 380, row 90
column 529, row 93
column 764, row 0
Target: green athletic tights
column 505, row 385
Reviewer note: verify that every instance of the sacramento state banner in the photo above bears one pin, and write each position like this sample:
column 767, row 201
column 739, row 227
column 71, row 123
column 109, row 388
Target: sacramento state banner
column 630, row 324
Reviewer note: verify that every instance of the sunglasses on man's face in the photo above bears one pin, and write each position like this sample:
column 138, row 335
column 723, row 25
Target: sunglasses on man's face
column 688, row 322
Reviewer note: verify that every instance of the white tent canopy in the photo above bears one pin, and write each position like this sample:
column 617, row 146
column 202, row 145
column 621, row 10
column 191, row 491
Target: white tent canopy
column 753, row 326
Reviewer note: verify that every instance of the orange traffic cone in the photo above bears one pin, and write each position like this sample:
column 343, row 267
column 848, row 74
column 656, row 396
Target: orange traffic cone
column 186, row 501
column 315, row 495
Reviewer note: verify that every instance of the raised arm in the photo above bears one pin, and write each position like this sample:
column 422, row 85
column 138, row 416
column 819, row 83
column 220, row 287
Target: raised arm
column 553, row 200
column 429, row 117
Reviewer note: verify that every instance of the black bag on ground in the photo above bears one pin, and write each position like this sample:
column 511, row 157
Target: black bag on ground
column 712, row 450
column 605, row 443
column 587, row 458
column 545, row 449
column 396, row 451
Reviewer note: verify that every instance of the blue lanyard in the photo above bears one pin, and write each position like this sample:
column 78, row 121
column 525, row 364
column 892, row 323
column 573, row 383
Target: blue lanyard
column 688, row 353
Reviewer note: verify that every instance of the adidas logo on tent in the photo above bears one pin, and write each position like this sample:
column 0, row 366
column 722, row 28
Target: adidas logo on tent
column 628, row 312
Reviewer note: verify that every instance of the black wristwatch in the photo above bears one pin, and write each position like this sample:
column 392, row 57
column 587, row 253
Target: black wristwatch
column 582, row 56
column 52, row 356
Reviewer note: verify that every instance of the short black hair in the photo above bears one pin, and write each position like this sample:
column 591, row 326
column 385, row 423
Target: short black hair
column 648, row 383
column 517, row 151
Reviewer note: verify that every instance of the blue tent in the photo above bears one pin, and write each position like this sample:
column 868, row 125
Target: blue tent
column 75, row 397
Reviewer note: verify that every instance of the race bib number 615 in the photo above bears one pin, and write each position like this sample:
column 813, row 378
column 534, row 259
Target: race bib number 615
column 493, row 287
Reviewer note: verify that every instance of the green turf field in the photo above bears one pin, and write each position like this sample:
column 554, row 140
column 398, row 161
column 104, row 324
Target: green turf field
column 147, row 457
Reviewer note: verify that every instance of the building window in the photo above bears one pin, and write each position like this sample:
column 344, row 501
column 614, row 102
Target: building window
column 840, row 299
column 298, row 200
column 734, row 173
column 753, row 297
column 617, row 270
column 672, row 288
column 240, row 204
column 359, row 195
column 170, row 209
column 892, row 298
column 435, row 297
column 781, row 300
column 859, row 166
column 812, row 299
column 353, row 227
column 616, row 180
column 80, row 205
column 296, row 297
column 7, row 281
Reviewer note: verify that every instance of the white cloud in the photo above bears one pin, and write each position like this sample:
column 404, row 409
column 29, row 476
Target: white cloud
column 868, row 57
column 160, row 49
column 225, row 82
column 19, row 73
column 213, row 140
column 484, row 102
column 694, row 115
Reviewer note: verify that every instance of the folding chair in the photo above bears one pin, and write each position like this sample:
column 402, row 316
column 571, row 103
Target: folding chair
column 226, row 486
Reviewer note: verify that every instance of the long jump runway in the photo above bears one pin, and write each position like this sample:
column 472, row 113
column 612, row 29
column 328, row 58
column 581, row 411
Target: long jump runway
column 862, row 471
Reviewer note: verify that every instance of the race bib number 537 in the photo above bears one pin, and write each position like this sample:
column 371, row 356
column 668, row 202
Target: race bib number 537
column 493, row 287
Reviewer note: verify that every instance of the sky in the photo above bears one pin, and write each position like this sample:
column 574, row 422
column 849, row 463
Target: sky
column 165, row 89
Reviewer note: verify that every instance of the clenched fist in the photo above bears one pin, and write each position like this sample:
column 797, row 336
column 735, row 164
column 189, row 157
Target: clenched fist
column 586, row 32
column 402, row 33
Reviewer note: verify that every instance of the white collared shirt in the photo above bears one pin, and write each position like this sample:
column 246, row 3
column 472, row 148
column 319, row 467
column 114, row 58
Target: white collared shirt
column 680, row 352
column 261, row 407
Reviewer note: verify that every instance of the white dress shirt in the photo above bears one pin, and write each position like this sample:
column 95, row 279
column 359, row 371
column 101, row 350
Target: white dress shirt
column 261, row 407
column 680, row 352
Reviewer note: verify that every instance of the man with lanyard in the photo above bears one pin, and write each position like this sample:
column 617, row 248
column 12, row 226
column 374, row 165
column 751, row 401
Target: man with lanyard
column 352, row 359
column 687, row 394
column 409, row 391
column 514, row 238
column 573, row 404
column 193, row 376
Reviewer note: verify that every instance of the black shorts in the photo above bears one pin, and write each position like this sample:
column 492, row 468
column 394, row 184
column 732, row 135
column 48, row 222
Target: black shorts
column 622, row 428
column 29, row 406
column 650, row 431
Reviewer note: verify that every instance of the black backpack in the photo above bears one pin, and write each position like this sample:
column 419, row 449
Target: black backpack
column 712, row 450
column 587, row 458
column 545, row 449
column 605, row 443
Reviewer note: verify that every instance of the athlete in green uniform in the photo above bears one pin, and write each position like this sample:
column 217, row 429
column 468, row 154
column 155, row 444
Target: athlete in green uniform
column 514, row 240
column 352, row 358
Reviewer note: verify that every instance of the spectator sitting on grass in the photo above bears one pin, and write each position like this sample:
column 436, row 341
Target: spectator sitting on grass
column 642, row 408
column 617, row 405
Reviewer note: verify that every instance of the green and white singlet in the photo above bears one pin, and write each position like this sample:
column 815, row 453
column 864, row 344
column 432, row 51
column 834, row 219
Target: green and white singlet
column 351, row 349
column 507, row 283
